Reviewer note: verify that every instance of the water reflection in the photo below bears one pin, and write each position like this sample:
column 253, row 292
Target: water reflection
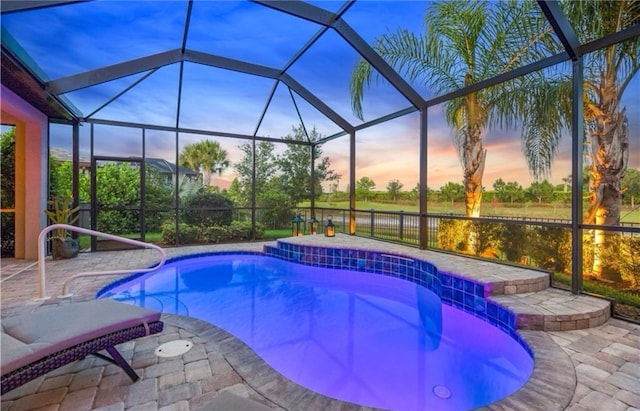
column 366, row 338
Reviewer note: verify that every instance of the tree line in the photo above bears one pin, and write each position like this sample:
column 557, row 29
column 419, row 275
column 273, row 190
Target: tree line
column 507, row 192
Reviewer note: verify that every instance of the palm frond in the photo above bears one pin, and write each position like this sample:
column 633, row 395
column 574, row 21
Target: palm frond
column 537, row 151
column 360, row 78
column 593, row 19
column 543, row 125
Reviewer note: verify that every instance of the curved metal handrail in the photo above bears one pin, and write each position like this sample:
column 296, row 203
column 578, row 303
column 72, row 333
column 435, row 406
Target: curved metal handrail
column 41, row 256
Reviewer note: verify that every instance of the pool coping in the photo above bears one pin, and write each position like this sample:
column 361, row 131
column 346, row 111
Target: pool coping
column 550, row 387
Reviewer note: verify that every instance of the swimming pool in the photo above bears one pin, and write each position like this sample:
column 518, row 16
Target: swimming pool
column 357, row 336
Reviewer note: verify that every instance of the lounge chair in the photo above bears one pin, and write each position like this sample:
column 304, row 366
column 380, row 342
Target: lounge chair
column 34, row 344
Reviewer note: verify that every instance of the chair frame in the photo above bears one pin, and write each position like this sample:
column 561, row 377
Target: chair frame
column 29, row 372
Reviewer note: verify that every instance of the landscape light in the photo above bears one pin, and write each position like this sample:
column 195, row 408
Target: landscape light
column 295, row 225
column 313, row 225
column 330, row 228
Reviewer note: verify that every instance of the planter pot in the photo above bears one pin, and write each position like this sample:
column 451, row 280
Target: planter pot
column 62, row 249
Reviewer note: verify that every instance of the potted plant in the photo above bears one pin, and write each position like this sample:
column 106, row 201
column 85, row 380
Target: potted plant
column 59, row 211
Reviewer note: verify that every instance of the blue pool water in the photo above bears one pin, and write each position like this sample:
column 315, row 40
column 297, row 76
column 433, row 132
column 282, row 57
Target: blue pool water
column 365, row 338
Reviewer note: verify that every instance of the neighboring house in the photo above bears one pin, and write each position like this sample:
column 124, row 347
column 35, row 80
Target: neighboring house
column 62, row 155
column 168, row 170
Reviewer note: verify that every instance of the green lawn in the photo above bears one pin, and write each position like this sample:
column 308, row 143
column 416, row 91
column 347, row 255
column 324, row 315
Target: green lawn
column 275, row 234
column 628, row 214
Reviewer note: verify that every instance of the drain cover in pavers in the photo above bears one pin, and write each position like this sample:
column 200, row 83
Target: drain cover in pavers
column 173, row 348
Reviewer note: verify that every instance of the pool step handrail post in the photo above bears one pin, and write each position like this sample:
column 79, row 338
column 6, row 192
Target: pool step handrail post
column 42, row 281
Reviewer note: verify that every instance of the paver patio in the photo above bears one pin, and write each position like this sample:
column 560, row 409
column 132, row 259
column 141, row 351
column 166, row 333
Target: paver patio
column 595, row 366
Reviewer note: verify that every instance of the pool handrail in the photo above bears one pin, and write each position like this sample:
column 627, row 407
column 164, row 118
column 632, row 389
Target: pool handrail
column 42, row 285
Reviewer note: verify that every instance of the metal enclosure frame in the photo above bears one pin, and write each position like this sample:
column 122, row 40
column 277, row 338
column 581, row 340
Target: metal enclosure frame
column 574, row 51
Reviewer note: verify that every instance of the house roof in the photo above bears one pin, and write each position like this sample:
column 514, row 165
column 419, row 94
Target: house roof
column 63, row 155
column 160, row 164
column 166, row 167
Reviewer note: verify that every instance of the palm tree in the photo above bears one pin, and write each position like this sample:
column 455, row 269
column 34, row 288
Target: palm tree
column 205, row 156
column 466, row 42
column 607, row 74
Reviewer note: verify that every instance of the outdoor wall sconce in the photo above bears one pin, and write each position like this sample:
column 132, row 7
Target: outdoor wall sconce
column 295, row 225
column 313, row 225
column 330, row 228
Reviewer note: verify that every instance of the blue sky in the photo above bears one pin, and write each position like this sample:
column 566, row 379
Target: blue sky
column 85, row 36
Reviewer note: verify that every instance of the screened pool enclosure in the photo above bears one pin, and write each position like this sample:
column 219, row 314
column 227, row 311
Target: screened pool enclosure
column 206, row 121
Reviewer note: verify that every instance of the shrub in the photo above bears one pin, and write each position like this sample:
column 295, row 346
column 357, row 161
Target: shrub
column 482, row 238
column 622, row 254
column 451, row 234
column 7, row 192
column 153, row 220
column 241, row 230
column 118, row 222
column 277, row 209
column 215, row 234
column 513, row 241
column 206, row 208
column 201, row 224
column 7, row 231
column 187, row 234
column 236, row 231
column 551, row 248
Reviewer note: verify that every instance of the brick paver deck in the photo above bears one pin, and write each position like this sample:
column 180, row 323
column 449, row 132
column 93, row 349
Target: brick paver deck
column 593, row 366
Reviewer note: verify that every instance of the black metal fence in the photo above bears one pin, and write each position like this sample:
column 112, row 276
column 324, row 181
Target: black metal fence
column 544, row 243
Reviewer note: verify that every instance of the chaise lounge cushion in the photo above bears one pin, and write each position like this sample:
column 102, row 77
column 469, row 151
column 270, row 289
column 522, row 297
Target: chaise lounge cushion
column 30, row 337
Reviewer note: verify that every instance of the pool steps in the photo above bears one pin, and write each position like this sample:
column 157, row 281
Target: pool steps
column 524, row 292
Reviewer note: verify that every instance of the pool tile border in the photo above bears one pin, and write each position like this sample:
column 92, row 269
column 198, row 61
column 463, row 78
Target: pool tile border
column 468, row 295
column 462, row 293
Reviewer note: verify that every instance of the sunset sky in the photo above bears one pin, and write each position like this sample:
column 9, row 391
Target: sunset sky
column 109, row 32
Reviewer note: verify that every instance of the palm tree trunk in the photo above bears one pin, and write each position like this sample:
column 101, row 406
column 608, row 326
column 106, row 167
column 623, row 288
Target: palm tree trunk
column 206, row 180
column 474, row 156
column 609, row 159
